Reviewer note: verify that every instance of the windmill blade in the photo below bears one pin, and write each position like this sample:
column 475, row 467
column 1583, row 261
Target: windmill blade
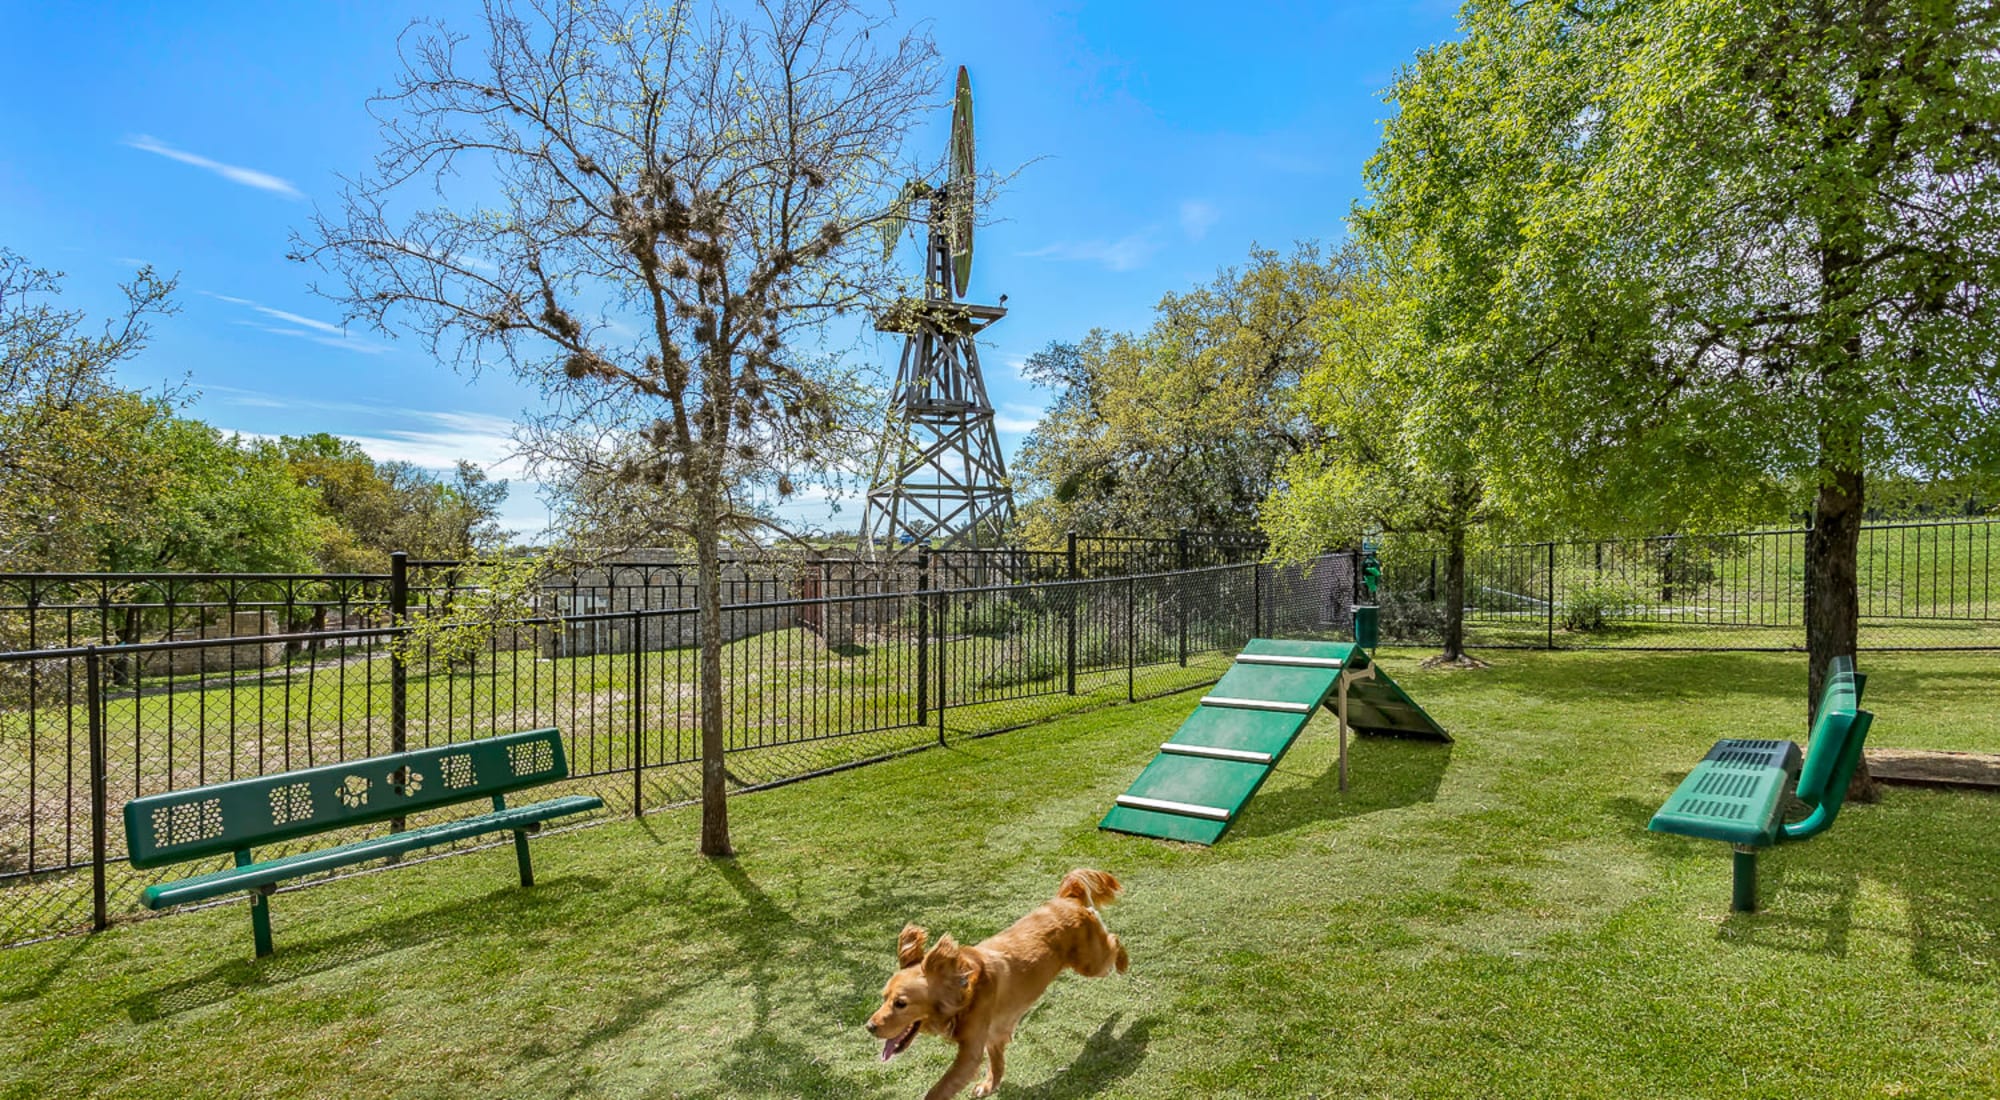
column 961, row 186
column 895, row 218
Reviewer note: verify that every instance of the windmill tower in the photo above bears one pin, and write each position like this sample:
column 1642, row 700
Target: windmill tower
column 939, row 476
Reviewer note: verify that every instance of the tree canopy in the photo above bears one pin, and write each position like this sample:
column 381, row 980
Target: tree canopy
column 1184, row 425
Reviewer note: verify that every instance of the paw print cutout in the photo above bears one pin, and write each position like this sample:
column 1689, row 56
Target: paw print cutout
column 353, row 792
column 406, row 781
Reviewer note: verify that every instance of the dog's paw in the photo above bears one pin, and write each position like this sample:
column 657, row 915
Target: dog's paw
column 984, row 1088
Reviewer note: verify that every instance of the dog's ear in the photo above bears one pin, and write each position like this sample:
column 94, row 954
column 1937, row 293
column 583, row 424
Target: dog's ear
column 945, row 970
column 943, row 959
column 910, row 945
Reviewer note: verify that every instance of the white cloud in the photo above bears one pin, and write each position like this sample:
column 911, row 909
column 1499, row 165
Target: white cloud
column 248, row 177
column 445, row 438
column 319, row 332
column 434, row 441
column 321, row 326
column 1196, row 218
column 1018, row 418
column 1127, row 253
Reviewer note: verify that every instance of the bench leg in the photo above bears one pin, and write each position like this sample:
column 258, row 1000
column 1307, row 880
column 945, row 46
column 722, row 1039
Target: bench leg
column 260, row 921
column 1743, row 898
column 521, row 857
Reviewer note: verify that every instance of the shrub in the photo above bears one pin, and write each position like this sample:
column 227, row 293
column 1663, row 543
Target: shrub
column 1589, row 605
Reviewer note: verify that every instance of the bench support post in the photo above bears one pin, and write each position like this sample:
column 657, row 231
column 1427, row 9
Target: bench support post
column 260, row 910
column 1743, row 897
column 520, row 846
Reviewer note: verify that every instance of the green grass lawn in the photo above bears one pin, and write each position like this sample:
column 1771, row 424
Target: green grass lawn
column 1486, row 919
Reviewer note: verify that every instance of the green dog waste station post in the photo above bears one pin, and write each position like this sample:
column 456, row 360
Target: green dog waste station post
column 1219, row 757
column 1367, row 626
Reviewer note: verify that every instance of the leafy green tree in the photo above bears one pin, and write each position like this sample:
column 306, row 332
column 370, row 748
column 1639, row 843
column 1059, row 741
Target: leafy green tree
column 360, row 508
column 71, row 461
column 1419, row 368
column 1397, row 457
column 215, row 505
column 1794, row 211
column 1186, row 424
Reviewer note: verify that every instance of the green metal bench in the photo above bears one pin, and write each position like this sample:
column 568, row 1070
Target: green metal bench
column 1739, row 792
column 234, row 817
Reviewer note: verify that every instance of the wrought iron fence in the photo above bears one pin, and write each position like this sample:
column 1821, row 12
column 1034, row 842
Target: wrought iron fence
column 1923, row 586
column 810, row 684
column 62, row 610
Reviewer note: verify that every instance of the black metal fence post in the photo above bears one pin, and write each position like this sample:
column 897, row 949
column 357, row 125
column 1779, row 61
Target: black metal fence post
column 1552, row 595
column 943, row 608
column 99, row 800
column 1256, row 598
column 1075, row 595
column 399, row 613
column 923, row 634
column 1131, row 634
column 1180, row 598
column 638, row 696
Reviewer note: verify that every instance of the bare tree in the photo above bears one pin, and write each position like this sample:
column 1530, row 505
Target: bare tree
column 652, row 212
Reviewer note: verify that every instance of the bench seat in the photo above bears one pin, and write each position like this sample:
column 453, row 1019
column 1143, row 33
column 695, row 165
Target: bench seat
column 1739, row 792
column 1736, row 794
column 270, row 872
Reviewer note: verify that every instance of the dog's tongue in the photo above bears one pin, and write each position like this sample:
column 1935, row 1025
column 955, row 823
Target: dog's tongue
column 899, row 1043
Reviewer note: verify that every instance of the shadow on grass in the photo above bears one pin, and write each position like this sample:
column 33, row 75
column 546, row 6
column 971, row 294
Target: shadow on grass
column 1815, row 915
column 1107, row 1058
column 1916, row 846
column 795, row 1017
column 294, row 961
column 1383, row 773
column 47, row 974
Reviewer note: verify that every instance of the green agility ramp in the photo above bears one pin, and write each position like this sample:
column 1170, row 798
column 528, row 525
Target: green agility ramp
column 1221, row 754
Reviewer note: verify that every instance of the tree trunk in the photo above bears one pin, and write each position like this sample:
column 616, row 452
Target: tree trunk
column 1833, row 596
column 1454, row 593
column 708, row 622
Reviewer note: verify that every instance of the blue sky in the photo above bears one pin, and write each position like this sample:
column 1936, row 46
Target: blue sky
column 1156, row 141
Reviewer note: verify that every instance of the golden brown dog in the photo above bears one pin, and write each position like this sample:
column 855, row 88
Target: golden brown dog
column 975, row 995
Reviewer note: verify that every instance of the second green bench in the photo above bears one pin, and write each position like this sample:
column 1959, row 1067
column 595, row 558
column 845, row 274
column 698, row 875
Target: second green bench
column 1739, row 792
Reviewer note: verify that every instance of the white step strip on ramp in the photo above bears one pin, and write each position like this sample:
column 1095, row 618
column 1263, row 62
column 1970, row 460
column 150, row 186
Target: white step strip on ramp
column 1257, row 704
column 1185, row 809
column 1210, row 751
column 1294, row 662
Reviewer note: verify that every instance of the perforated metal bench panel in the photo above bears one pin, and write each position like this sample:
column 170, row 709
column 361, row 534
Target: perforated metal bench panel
column 1736, row 794
column 221, row 818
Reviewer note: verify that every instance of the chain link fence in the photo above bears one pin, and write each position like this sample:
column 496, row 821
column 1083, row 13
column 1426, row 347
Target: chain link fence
column 809, row 684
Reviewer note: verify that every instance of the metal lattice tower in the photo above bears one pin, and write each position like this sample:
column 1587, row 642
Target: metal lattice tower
column 939, row 476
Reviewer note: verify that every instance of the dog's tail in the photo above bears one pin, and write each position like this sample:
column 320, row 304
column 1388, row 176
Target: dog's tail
column 1092, row 888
